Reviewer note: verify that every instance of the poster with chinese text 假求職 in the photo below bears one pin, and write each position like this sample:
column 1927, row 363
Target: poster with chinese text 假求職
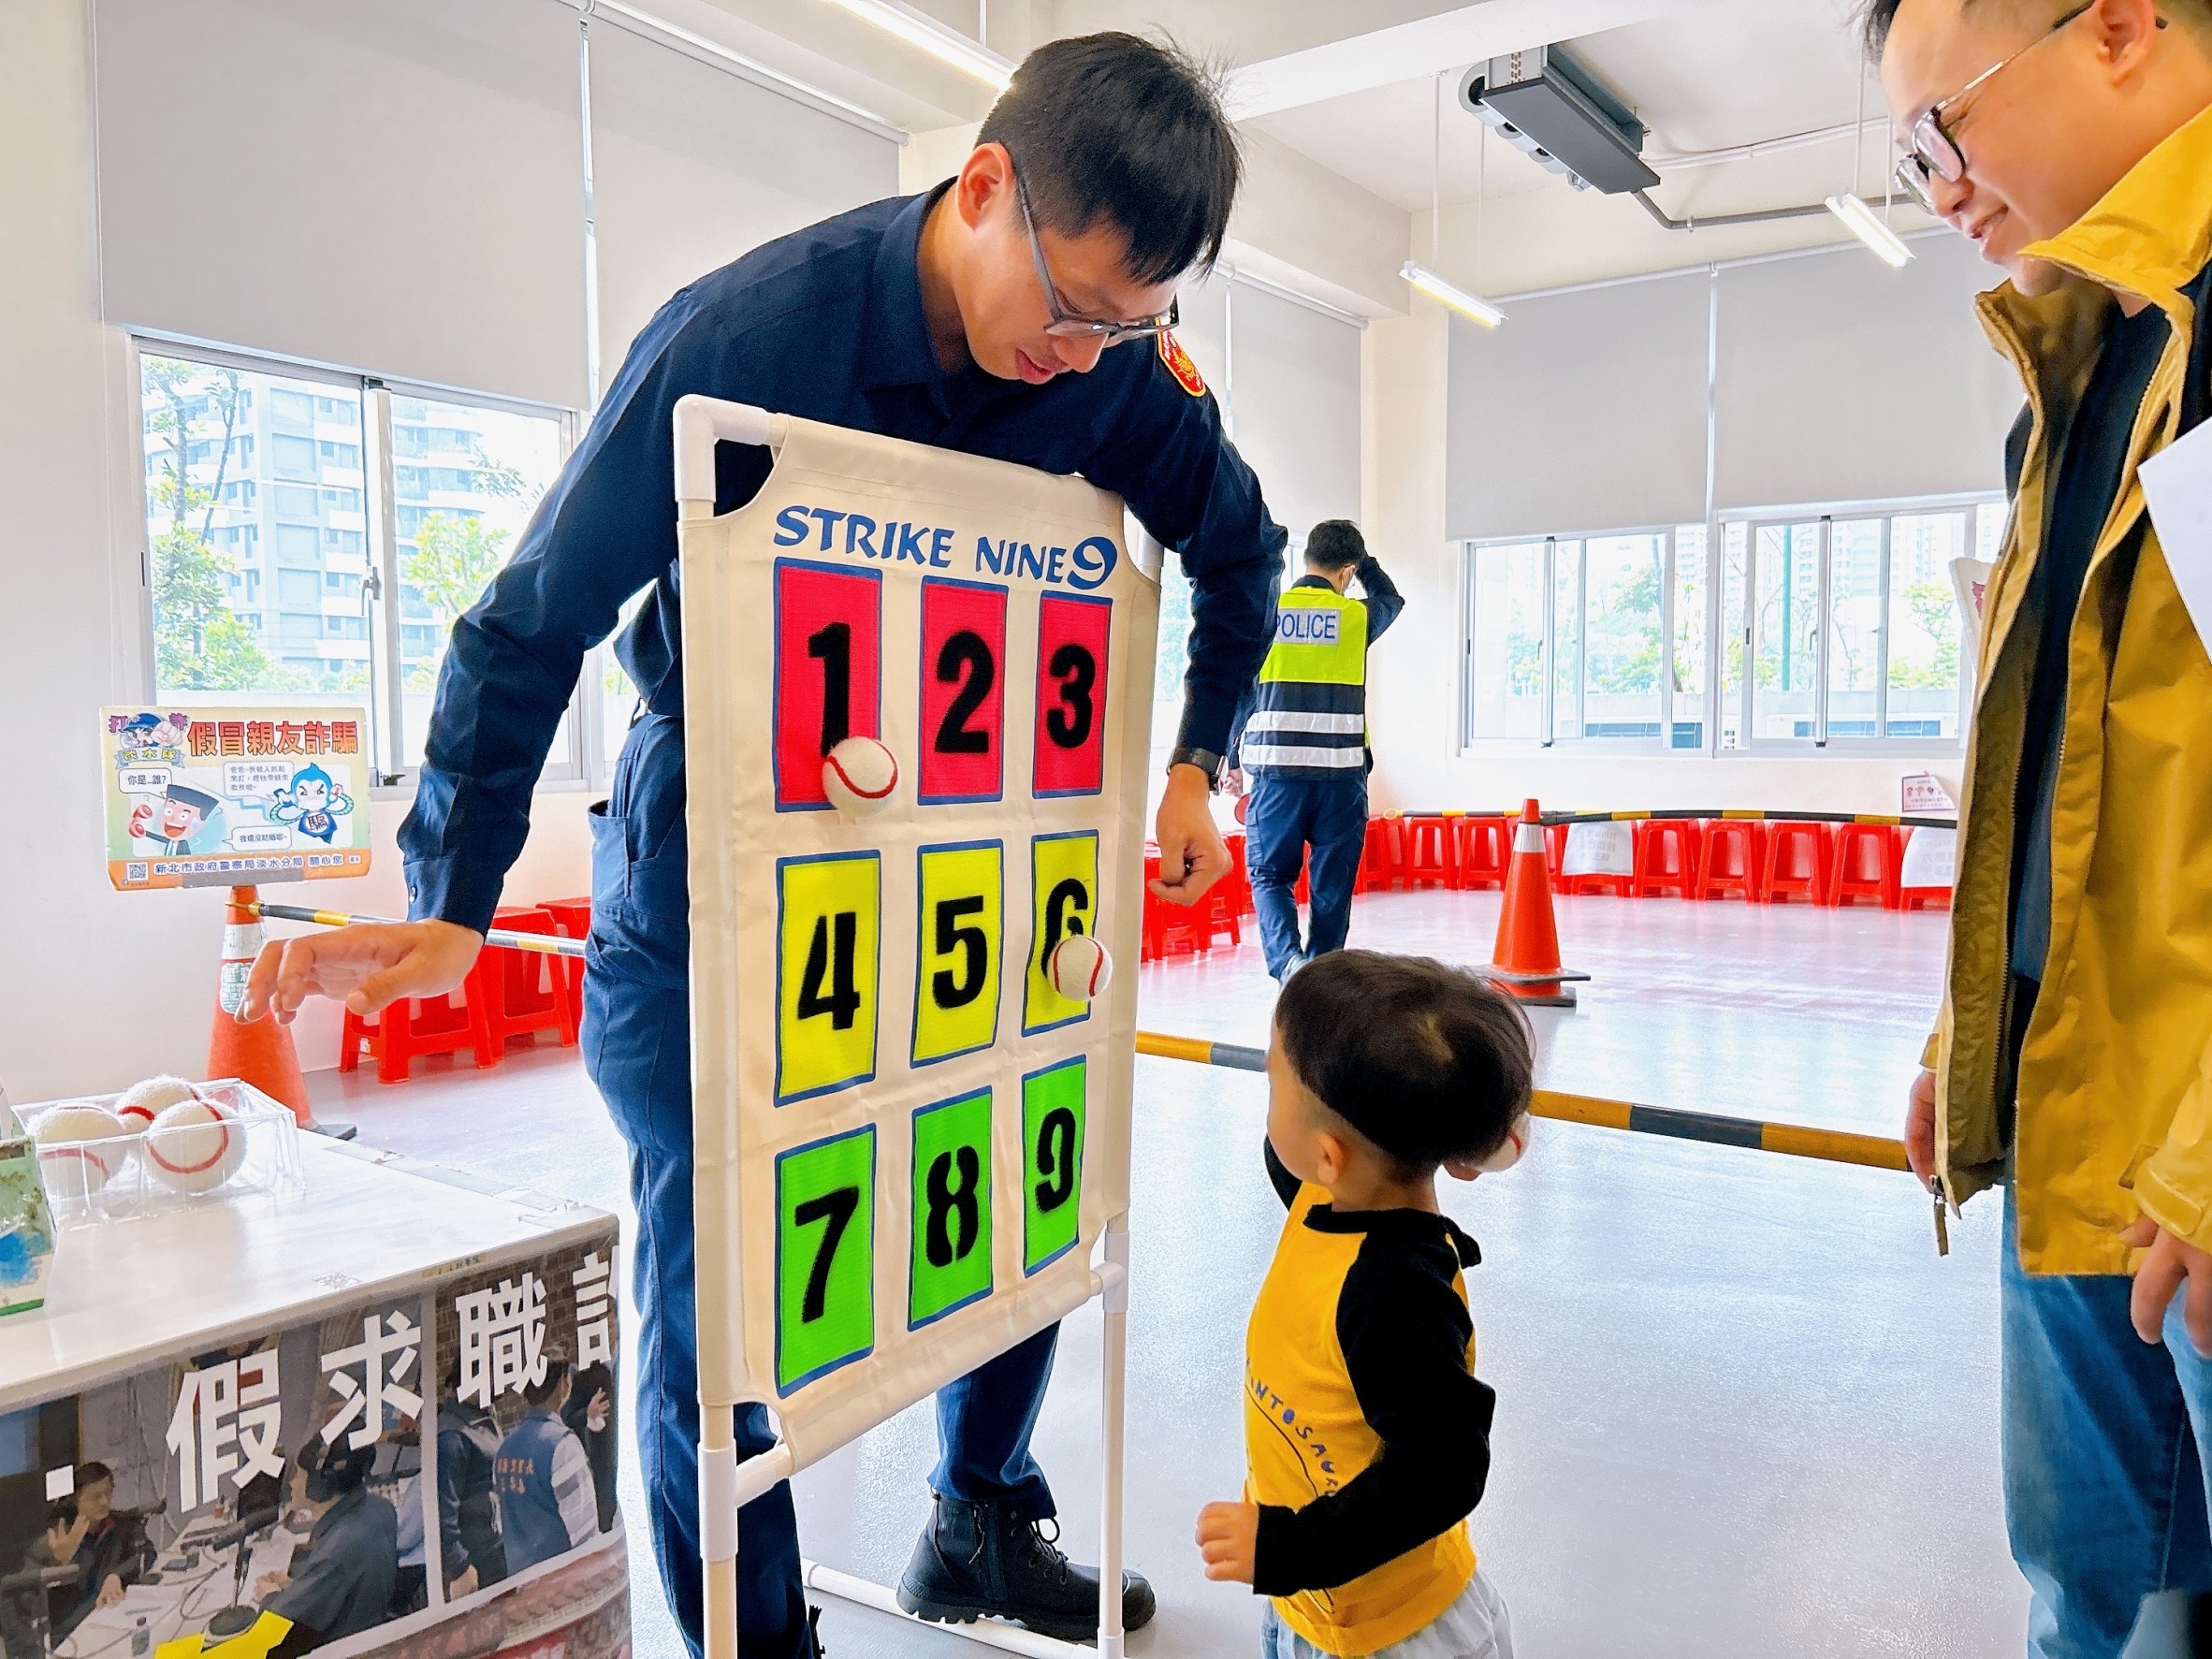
column 425, row 1474
column 219, row 797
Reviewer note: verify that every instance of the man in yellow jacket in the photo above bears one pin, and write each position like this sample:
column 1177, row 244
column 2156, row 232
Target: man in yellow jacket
column 2073, row 142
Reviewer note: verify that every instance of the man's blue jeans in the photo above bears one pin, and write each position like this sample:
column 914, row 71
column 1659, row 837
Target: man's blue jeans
column 1285, row 816
column 2104, row 1483
column 638, row 1048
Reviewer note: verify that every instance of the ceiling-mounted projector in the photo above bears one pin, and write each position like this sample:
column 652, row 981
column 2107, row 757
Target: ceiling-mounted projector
column 1543, row 102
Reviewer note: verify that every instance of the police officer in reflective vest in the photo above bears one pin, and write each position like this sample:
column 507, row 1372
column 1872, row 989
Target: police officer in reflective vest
column 1305, row 745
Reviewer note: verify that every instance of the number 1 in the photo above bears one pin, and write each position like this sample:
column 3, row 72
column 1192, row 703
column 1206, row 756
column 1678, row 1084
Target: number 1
column 832, row 647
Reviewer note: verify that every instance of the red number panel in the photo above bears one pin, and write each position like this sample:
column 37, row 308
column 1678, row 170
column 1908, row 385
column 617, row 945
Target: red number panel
column 963, row 692
column 829, row 672
column 1071, row 638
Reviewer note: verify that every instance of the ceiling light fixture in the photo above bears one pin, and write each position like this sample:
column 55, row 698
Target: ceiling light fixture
column 1419, row 276
column 948, row 45
column 1866, row 225
column 1447, row 293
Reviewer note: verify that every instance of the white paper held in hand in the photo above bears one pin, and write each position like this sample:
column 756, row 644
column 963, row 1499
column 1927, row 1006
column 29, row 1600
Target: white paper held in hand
column 2177, row 484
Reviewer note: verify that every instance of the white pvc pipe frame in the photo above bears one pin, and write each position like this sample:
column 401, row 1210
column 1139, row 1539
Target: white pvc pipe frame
column 726, row 1486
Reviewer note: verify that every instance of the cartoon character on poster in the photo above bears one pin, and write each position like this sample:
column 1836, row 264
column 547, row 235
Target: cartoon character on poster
column 312, row 804
column 179, row 820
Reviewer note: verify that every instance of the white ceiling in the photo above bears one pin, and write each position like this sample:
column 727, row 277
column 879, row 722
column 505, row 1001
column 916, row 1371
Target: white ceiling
column 1713, row 75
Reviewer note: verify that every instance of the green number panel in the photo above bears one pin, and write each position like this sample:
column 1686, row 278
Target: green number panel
column 826, row 1257
column 951, row 1248
column 1054, row 1117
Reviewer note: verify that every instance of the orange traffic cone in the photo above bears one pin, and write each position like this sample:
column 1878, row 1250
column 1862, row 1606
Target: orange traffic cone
column 1527, row 964
column 260, row 1054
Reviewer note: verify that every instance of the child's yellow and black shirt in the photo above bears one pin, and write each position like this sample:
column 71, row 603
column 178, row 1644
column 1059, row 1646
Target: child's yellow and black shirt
column 1366, row 1433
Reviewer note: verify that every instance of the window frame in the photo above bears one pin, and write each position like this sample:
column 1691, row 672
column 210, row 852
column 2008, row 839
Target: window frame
column 1711, row 702
column 1661, row 742
column 576, row 764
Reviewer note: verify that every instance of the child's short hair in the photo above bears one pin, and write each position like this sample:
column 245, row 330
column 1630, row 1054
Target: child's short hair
column 1425, row 1060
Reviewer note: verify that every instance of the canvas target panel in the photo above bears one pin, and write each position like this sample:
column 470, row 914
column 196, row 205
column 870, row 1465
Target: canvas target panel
column 907, row 1139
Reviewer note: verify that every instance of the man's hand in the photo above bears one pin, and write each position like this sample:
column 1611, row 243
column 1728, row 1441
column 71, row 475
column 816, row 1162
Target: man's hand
column 111, row 1591
column 367, row 966
column 1920, row 1126
column 595, row 1414
column 1191, row 855
column 465, row 1585
column 1228, row 1538
column 2171, row 1262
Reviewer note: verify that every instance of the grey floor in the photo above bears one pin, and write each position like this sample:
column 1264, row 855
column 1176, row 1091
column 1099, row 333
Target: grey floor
column 1744, row 1409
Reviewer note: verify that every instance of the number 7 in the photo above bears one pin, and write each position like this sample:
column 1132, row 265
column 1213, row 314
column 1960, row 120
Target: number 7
column 837, row 1207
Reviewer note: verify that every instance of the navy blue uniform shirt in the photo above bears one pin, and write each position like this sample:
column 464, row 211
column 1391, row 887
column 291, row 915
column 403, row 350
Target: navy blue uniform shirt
column 827, row 324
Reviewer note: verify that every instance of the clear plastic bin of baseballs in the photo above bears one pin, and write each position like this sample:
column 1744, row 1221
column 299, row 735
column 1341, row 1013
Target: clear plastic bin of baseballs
column 164, row 1144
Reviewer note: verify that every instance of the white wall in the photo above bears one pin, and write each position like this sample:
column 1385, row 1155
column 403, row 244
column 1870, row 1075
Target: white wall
column 98, row 988
column 1414, row 671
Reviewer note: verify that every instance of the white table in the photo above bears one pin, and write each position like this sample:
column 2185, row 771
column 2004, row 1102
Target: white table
column 138, row 1309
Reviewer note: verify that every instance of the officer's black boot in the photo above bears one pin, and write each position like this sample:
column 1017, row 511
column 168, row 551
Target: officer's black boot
column 976, row 1559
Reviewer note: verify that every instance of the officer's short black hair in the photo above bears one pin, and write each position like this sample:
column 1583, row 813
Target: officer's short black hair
column 1425, row 1060
column 1334, row 543
column 1112, row 126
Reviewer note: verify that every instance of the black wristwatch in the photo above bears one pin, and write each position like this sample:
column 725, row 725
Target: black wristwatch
column 1205, row 760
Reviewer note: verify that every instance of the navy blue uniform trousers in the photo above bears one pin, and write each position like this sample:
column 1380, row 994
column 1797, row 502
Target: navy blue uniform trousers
column 636, row 1041
column 1284, row 817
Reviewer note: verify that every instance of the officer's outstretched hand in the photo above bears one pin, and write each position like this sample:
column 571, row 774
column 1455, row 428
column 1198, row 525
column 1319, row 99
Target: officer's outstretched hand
column 1191, row 855
column 367, row 968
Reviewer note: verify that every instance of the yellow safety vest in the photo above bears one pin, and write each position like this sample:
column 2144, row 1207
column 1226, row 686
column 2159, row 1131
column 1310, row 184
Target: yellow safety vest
column 1311, row 717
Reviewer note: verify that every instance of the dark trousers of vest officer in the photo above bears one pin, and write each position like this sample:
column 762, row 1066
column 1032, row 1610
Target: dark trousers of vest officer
column 1285, row 816
column 636, row 1042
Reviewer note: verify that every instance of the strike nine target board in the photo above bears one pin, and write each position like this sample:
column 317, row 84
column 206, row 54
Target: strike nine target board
column 907, row 1138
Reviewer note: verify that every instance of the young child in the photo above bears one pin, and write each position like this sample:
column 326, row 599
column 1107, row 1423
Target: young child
column 1366, row 1433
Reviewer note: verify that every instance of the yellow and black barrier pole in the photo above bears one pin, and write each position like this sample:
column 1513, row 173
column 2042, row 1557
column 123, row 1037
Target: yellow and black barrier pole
column 1713, row 1129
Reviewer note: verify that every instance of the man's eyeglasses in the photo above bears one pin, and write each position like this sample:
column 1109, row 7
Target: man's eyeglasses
column 1064, row 325
column 1935, row 154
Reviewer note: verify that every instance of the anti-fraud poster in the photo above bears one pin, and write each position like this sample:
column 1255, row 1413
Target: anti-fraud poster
column 220, row 798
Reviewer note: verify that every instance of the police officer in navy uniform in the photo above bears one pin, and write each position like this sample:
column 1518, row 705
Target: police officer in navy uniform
column 1301, row 736
column 977, row 317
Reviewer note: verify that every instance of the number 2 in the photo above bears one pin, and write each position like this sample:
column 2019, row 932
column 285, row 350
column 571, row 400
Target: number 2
column 965, row 651
column 837, row 1207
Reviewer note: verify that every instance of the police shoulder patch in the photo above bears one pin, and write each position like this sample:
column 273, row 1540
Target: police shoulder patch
column 1179, row 364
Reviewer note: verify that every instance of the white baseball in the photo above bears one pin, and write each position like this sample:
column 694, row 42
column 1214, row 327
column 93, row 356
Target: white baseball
column 70, row 1153
column 1079, row 967
column 142, row 1102
column 860, row 776
column 194, row 1145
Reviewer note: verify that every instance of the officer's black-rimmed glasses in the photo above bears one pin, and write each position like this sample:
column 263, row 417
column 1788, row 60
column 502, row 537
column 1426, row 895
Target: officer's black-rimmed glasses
column 1069, row 327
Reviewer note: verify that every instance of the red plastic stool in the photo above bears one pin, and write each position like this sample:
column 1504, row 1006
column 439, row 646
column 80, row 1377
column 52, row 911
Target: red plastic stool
column 1865, row 866
column 1555, row 840
column 1382, row 861
column 530, row 989
column 1667, row 858
column 1733, row 850
column 572, row 918
column 416, row 1026
column 1484, row 845
column 1237, row 885
column 1428, row 858
column 1798, row 863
